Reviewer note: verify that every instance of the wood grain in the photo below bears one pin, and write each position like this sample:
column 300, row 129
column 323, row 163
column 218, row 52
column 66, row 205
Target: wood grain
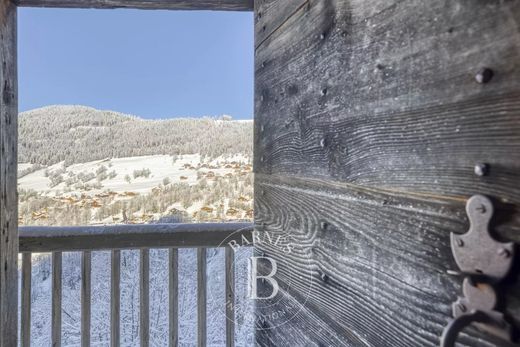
column 369, row 122
column 218, row 5
column 8, row 168
column 230, row 296
column 107, row 237
column 383, row 93
column 385, row 257
column 144, row 298
column 271, row 15
column 115, row 298
column 25, row 321
column 173, row 295
column 201, row 297
column 56, row 299
column 86, row 276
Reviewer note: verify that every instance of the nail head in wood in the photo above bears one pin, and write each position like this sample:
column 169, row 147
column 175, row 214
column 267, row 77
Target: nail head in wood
column 484, row 75
column 481, row 169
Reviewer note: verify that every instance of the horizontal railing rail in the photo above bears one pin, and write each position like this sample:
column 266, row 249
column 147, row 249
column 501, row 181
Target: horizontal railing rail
column 55, row 240
column 128, row 236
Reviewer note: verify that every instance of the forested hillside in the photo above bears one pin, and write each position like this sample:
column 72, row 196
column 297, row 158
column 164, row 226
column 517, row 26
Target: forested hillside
column 79, row 165
column 79, row 134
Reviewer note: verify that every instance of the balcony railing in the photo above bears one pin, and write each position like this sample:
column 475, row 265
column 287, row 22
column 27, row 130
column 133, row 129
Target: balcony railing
column 115, row 238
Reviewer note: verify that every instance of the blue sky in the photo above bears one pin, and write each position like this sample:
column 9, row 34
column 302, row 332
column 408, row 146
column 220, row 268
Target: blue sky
column 153, row 64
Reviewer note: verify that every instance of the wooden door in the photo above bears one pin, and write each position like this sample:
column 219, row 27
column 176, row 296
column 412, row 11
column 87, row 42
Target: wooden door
column 370, row 118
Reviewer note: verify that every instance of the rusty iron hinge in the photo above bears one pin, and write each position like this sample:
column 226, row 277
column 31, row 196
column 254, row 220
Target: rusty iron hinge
column 485, row 262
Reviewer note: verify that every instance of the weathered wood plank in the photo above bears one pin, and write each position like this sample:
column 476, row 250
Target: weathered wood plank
column 383, row 93
column 115, row 298
column 293, row 335
column 173, row 277
column 86, row 273
column 25, row 331
column 56, row 299
column 144, row 298
column 271, row 15
column 217, row 5
column 107, row 237
column 201, row 297
column 379, row 262
column 369, row 122
column 8, row 171
column 230, row 297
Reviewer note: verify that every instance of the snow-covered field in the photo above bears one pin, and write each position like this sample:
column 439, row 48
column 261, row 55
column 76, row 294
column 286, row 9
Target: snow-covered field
column 150, row 186
column 177, row 169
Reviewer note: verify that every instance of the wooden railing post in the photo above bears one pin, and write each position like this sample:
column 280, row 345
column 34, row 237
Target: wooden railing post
column 26, row 300
column 201, row 297
column 144, row 298
column 230, row 297
column 85, row 298
column 56, row 299
column 174, row 297
column 115, row 300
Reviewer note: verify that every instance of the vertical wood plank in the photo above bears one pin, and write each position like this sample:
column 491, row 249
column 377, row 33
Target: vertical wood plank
column 230, row 297
column 56, row 299
column 201, row 297
column 174, row 297
column 115, row 298
column 8, row 180
column 26, row 300
column 144, row 298
column 86, row 261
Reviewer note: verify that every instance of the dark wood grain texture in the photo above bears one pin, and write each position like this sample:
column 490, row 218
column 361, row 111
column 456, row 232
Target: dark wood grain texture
column 8, row 163
column 369, row 120
column 383, row 93
column 218, row 5
column 379, row 267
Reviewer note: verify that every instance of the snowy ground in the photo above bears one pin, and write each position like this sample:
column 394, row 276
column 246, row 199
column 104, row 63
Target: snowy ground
column 161, row 167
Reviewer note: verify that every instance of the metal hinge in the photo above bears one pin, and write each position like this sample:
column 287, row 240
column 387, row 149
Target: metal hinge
column 485, row 262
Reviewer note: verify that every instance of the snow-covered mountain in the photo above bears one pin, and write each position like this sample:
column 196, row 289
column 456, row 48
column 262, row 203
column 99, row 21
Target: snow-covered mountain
column 79, row 134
